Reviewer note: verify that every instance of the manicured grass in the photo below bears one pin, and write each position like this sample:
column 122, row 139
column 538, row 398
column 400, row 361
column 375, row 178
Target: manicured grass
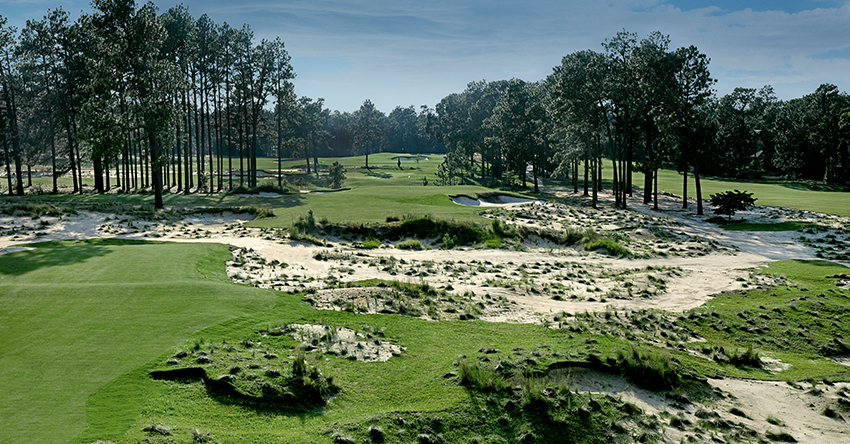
column 779, row 194
column 77, row 315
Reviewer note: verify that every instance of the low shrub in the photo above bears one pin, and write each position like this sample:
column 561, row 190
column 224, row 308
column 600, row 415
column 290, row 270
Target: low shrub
column 410, row 244
column 481, row 378
column 654, row 370
column 609, row 245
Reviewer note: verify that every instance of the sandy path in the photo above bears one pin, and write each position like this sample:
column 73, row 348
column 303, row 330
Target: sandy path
column 800, row 411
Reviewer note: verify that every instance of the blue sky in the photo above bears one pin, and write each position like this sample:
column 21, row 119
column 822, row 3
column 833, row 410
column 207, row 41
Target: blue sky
column 414, row 52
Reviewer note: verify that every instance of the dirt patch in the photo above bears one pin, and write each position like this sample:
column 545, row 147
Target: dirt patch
column 359, row 346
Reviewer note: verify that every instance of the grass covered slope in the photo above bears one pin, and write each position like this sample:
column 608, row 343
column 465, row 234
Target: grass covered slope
column 76, row 315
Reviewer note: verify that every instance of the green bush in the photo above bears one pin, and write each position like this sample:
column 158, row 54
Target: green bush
column 410, row 244
column 729, row 202
column 611, row 246
column 654, row 370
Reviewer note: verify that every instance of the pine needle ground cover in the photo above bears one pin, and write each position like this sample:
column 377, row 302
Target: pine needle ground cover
column 74, row 316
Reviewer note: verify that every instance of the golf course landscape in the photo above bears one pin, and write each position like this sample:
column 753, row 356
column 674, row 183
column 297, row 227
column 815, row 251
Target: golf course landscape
column 393, row 311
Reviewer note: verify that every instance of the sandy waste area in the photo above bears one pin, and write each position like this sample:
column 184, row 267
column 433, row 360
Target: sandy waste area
column 680, row 261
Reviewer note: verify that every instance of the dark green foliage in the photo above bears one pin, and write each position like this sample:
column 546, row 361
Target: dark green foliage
column 33, row 210
column 729, row 202
column 779, row 436
column 264, row 188
column 336, row 176
column 652, row 369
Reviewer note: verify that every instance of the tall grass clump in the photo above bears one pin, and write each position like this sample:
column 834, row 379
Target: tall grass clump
column 33, row 210
column 481, row 378
column 502, row 230
column 745, row 356
column 654, row 370
column 592, row 241
column 410, row 244
column 259, row 212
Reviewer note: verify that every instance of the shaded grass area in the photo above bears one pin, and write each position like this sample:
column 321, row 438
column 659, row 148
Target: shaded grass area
column 796, row 195
column 779, row 226
column 76, row 315
column 386, row 190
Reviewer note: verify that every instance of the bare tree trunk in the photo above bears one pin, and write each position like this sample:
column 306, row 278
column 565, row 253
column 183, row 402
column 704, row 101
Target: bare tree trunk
column 655, row 203
column 699, row 190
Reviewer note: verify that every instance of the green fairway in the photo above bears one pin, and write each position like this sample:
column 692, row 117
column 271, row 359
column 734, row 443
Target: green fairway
column 778, row 194
column 75, row 316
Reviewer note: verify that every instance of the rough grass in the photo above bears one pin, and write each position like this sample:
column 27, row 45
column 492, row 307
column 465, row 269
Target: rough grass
column 800, row 323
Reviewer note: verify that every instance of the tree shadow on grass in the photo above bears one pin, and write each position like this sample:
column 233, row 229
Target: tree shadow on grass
column 377, row 174
column 58, row 253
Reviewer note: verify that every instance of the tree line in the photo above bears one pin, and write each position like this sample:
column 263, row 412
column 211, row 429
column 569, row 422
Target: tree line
column 639, row 105
column 165, row 101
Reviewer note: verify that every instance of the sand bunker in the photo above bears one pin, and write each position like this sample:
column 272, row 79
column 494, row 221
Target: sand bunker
column 260, row 194
column 493, row 201
column 409, row 158
column 14, row 249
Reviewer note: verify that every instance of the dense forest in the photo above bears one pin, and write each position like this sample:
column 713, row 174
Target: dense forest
column 147, row 100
